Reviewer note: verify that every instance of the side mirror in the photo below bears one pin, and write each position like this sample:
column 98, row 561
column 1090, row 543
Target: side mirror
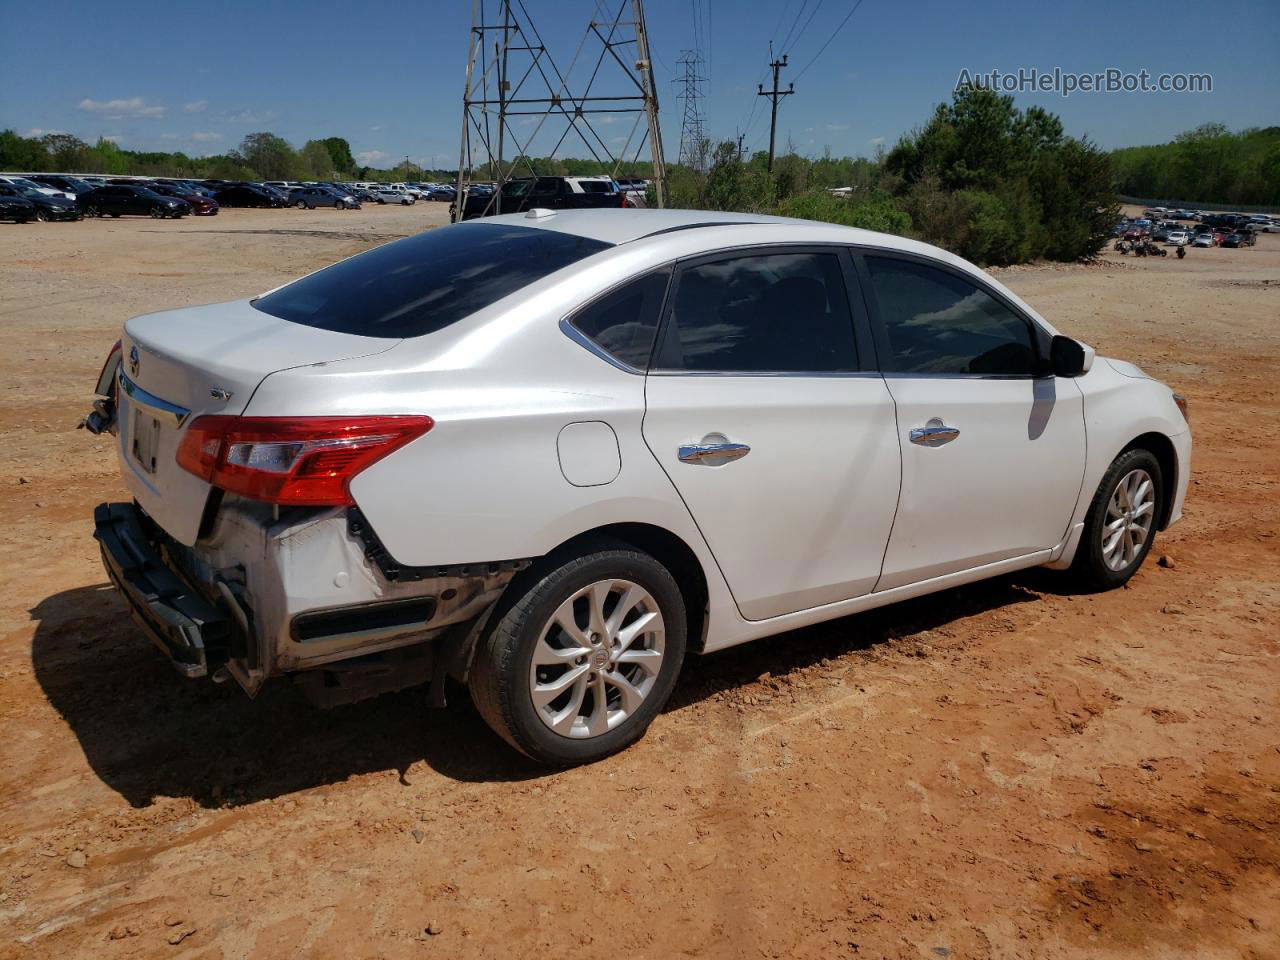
column 1069, row 357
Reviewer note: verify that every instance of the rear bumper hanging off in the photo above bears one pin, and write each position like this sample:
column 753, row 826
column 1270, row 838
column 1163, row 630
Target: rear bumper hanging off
column 179, row 621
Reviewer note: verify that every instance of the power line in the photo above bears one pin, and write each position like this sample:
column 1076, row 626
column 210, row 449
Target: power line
column 834, row 33
column 799, row 35
column 782, row 47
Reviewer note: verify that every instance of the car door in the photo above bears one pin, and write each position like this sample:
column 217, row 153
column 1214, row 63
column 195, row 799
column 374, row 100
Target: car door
column 763, row 408
column 992, row 445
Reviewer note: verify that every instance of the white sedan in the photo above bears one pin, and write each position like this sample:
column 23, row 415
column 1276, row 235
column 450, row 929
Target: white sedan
column 549, row 454
column 385, row 194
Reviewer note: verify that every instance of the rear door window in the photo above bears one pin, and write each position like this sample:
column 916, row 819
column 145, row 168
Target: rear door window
column 761, row 313
column 424, row 283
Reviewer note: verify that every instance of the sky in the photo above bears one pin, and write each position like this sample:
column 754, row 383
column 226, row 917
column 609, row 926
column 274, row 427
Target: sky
column 388, row 75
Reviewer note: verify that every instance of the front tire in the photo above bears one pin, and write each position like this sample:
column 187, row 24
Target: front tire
column 583, row 654
column 1121, row 523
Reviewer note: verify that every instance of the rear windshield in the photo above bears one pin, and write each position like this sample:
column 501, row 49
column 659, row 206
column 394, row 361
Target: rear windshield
column 422, row 284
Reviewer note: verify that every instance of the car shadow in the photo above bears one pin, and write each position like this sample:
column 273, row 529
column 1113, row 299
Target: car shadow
column 146, row 732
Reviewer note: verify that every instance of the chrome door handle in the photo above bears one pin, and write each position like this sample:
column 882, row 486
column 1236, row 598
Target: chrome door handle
column 933, row 434
column 712, row 454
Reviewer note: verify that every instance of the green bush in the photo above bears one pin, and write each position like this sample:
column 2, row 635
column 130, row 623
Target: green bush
column 878, row 211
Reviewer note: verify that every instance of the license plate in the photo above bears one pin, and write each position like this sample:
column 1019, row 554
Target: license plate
column 146, row 440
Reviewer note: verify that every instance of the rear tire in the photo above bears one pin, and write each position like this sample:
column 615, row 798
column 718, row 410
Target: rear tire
column 564, row 678
column 1120, row 526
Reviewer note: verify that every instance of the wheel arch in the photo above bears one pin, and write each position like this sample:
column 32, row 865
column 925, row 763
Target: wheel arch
column 668, row 549
column 1161, row 447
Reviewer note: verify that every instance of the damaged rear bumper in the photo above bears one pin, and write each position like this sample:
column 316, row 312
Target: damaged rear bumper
column 311, row 593
column 178, row 620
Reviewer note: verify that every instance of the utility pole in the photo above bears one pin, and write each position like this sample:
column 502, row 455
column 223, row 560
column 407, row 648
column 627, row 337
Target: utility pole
column 773, row 95
column 740, row 137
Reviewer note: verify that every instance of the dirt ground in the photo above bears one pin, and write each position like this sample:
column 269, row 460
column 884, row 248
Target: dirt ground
column 1002, row 770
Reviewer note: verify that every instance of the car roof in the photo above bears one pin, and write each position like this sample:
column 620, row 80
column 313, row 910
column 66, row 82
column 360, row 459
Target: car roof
column 628, row 225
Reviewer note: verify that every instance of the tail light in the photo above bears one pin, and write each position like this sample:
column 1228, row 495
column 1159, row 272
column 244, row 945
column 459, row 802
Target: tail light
column 294, row 461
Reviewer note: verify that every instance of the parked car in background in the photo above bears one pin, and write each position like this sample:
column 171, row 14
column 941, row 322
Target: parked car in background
column 32, row 185
column 284, row 186
column 1271, row 226
column 276, row 192
column 363, row 194
column 71, row 186
column 1204, row 238
column 16, row 208
column 384, row 193
column 117, row 199
column 308, row 198
column 201, row 204
column 1240, row 238
column 441, row 192
column 1178, row 238
column 249, row 195
column 550, row 193
column 46, row 207
column 715, row 440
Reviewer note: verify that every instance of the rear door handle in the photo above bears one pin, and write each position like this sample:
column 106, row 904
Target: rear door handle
column 712, row 454
column 933, row 434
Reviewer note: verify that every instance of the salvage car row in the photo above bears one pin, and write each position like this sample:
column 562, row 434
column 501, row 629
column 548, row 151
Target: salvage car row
column 43, row 196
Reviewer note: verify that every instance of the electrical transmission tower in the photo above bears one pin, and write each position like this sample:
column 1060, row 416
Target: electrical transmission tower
column 693, row 142
column 515, row 89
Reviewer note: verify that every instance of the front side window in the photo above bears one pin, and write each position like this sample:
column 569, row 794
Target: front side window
column 939, row 323
column 623, row 322
column 424, row 283
column 766, row 313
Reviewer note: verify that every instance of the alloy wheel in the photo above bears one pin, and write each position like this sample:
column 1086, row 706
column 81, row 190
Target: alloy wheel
column 1130, row 516
column 597, row 659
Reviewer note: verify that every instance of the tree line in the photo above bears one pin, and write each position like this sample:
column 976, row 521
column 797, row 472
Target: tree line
column 990, row 182
column 1209, row 164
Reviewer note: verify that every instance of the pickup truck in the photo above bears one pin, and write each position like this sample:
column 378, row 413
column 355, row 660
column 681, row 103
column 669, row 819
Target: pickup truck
column 553, row 193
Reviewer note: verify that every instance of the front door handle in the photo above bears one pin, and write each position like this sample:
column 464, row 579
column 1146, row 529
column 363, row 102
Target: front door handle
column 933, row 434
column 712, row 454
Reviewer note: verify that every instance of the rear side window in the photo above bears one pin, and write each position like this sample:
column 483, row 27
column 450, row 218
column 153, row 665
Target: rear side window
column 623, row 322
column 937, row 322
column 425, row 283
column 769, row 313
column 595, row 186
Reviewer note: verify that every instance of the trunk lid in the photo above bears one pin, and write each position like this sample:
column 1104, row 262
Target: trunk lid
column 181, row 364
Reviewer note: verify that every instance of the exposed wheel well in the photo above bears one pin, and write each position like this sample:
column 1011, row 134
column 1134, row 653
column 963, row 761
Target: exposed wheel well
column 1162, row 448
column 674, row 554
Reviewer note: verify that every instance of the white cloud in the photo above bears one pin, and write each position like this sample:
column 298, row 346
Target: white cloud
column 169, row 136
column 202, row 137
column 607, row 119
column 368, row 157
column 876, row 141
column 123, row 108
column 836, row 127
column 113, row 138
column 248, row 116
column 195, row 106
column 38, row 132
